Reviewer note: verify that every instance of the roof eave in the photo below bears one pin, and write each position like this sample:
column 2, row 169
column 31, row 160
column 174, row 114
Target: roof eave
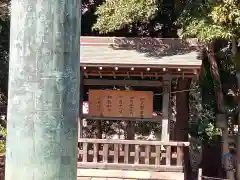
column 198, row 66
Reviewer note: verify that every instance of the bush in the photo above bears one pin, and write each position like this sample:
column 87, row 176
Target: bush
column 3, row 133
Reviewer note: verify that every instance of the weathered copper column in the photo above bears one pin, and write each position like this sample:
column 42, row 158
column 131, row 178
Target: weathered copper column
column 43, row 90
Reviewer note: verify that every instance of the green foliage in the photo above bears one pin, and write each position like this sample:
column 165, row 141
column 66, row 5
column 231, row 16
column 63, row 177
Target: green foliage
column 210, row 20
column 202, row 118
column 114, row 15
column 227, row 14
column 3, row 134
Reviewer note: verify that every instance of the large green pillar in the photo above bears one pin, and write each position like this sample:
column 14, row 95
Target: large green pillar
column 43, row 90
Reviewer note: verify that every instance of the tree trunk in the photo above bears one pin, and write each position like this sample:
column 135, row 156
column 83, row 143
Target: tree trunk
column 234, row 53
column 214, row 167
column 216, row 77
column 182, row 118
column 221, row 117
column 130, row 130
column 238, row 137
column 211, row 161
column 43, row 90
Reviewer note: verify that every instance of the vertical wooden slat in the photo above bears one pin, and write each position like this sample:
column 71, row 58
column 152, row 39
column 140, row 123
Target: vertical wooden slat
column 136, row 157
column 126, row 153
column 95, row 152
column 79, row 127
column 179, row 156
column 105, row 153
column 200, row 174
column 81, row 93
column 116, row 152
column 168, row 155
column 79, row 155
column 85, row 152
column 158, row 155
column 147, row 152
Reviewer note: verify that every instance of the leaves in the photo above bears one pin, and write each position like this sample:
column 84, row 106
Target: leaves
column 114, row 15
column 4, row 9
column 226, row 13
column 210, row 20
column 202, row 118
column 3, row 134
column 204, row 30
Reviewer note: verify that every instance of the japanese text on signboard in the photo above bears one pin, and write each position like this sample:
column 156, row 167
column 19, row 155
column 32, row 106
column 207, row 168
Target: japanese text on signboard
column 113, row 103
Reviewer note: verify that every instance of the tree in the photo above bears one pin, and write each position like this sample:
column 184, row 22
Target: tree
column 209, row 22
column 115, row 15
column 152, row 18
column 4, row 51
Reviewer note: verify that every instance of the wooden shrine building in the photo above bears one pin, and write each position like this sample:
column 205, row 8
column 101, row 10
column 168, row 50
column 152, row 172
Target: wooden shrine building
column 121, row 79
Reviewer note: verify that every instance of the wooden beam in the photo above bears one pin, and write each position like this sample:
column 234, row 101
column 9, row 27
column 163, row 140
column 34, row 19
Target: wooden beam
column 154, row 119
column 110, row 74
column 159, row 66
column 166, row 98
column 105, row 82
column 93, row 173
column 133, row 142
column 139, row 167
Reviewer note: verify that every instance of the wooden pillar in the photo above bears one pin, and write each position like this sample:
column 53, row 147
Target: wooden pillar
column 182, row 108
column 80, row 119
column 182, row 117
column 165, row 107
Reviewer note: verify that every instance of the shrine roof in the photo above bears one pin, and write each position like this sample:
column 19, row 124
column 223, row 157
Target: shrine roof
column 139, row 52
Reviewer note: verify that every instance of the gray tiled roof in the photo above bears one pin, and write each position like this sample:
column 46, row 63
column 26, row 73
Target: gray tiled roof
column 167, row 52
